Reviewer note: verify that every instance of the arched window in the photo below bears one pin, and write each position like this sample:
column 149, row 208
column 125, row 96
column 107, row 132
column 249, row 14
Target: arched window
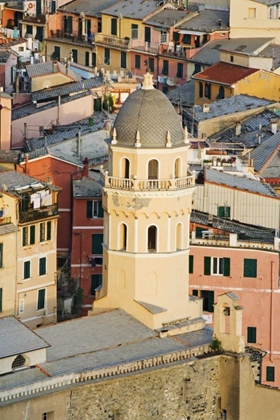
column 207, row 90
column 123, row 237
column 177, row 168
column 153, row 169
column 179, row 236
column 200, row 89
column 19, row 361
column 125, row 168
column 152, row 238
column 221, row 93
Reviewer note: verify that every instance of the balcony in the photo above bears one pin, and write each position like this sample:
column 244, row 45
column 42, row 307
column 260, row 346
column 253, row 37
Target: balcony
column 112, row 41
column 36, row 214
column 74, row 37
column 139, row 44
column 147, row 184
column 39, row 20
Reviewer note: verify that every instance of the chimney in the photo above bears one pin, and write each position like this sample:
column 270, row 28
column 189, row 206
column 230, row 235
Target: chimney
column 205, row 108
column 273, row 123
column 238, row 129
column 85, row 169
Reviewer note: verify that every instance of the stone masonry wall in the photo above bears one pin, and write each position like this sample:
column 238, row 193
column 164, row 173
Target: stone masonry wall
column 190, row 389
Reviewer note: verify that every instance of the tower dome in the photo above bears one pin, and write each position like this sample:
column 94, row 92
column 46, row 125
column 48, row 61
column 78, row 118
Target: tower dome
column 148, row 114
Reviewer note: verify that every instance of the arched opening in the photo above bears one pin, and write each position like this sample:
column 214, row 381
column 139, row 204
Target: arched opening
column 221, row 93
column 200, row 89
column 18, row 362
column 125, row 168
column 207, row 90
column 152, row 238
column 123, row 237
column 179, row 236
column 177, row 168
column 153, row 169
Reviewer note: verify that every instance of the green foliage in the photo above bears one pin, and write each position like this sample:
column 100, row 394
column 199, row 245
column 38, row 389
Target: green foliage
column 77, row 301
column 108, row 102
column 216, row 345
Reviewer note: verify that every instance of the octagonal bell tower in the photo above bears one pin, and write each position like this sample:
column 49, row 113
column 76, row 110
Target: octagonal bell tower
column 147, row 200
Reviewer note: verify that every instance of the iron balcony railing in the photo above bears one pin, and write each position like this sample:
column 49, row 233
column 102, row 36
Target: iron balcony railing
column 35, row 214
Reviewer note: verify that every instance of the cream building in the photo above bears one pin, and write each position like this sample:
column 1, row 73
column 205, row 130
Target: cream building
column 147, row 200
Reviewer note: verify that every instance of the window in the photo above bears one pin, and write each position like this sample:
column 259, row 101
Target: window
column 231, row 58
column 250, row 267
column 252, row 12
column 1, row 297
column 165, row 68
column 151, row 64
column 190, row 264
column 197, row 68
column 123, row 59
column 45, row 231
column 137, row 61
column 207, row 90
column 26, row 270
column 49, row 230
column 270, row 373
column 32, row 231
column 152, row 238
column 216, row 266
column 180, row 68
column 21, row 306
column 106, row 56
column 223, row 211
column 94, row 209
column 96, row 281
column 18, row 362
column 48, row 416
column 251, row 334
column 153, row 169
column 186, row 39
column 41, row 299
column 96, row 243
column 147, row 36
column 87, row 59
column 42, row 266
column 221, row 93
column 56, row 53
column 200, row 89
column 114, row 22
column 93, row 59
column 134, row 31
column 176, row 36
column 123, row 236
column 24, row 236
column 42, row 232
column 208, row 300
column 75, row 55
column 1, row 255
column 163, row 37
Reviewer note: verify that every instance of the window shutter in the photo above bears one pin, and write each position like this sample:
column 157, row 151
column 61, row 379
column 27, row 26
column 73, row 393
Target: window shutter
column 251, row 334
column 190, row 263
column 1, row 255
column 49, row 230
column 227, row 267
column 42, row 232
column 27, row 269
column 41, row 299
column 137, row 61
column 42, row 266
column 100, row 209
column 32, row 235
column 70, row 26
column 1, row 294
column 113, row 26
column 89, row 209
column 250, row 267
column 151, row 64
column 270, row 373
column 97, row 240
column 24, row 236
column 210, row 301
column 87, row 59
column 93, row 59
column 207, row 266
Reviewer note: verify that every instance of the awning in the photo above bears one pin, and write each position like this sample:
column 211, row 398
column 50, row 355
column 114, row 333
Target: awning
column 186, row 32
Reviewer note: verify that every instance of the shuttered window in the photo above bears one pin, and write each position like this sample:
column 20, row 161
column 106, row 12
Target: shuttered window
column 94, row 209
column 42, row 266
column 251, row 334
column 26, row 270
column 224, row 212
column 250, row 267
column 41, row 299
column 106, row 56
column 97, row 240
column 24, row 236
column 151, row 64
column 49, row 230
column 190, row 263
column 1, row 297
column 42, row 232
column 1, row 255
column 32, row 234
column 270, row 373
column 114, row 26
column 96, row 280
column 87, row 59
column 180, row 68
column 165, row 68
column 123, row 59
column 137, row 61
column 216, row 266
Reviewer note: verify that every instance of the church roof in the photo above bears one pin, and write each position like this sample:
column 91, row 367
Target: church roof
column 149, row 112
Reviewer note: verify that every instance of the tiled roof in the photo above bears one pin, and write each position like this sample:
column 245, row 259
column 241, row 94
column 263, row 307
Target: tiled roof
column 50, row 67
column 89, row 7
column 11, row 180
column 18, row 338
column 4, row 56
column 225, row 73
column 207, row 21
column 86, row 187
column 166, row 18
column 9, row 156
column 265, row 151
column 183, row 94
column 133, row 9
column 242, row 183
column 237, row 103
column 8, row 228
column 267, row 2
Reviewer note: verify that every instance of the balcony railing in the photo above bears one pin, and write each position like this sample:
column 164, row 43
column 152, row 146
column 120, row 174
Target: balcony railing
column 112, row 41
column 41, row 19
column 147, row 184
column 35, row 214
column 144, row 46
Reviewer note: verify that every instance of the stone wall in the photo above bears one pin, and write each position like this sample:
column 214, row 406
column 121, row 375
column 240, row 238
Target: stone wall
column 189, row 389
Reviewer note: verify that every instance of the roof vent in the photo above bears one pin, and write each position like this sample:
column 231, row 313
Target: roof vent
column 205, row 108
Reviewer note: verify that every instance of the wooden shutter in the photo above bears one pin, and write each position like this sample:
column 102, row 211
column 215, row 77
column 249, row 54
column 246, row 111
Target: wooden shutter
column 113, row 26
column 250, row 267
column 42, row 266
column 207, row 266
column 26, row 273
column 137, row 61
column 41, row 299
column 1, row 255
column 49, row 230
column 270, row 373
column 87, row 59
column 1, row 298
column 100, row 212
column 97, row 240
column 32, row 235
column 251, row 334
column 227, row 267
column 89, row 209
column 190, row 263
column 24, row 236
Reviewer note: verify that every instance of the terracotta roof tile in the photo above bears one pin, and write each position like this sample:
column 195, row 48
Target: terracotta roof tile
column 225, row 73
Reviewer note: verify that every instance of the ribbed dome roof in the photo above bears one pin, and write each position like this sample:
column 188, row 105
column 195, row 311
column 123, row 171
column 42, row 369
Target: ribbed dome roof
column 148, row 111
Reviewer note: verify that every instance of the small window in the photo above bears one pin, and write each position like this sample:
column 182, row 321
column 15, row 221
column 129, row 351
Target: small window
column 96, row 246
column 18, row 362
column 114, row 22
column 137, row 61
column 87, row 59
column 107, row 56
column 49, row 230
column 200, row 89
column 123, row 237
column 191, row 264
column 186, row 39
column 153, row 169
column 94, row 209
column 93, row 59
column 152, row 238
column 224, row 211
column 180, row 68
column 1, row 255
column 208, row 300
column 42, row 232
column 96, row 281
column 41, row 299
column 176, row 36
column 231, row 59
column 26, row 270
column 250, row 267
column 221, row 93
column 216, row 266
column 24, row 236
column 251, row 334
column 252, row 12
column 151, row 64
column 165, row 68
column 32, row 231
column 75, row 55
column 134, row 31
column 270, row 374
column 42, row 266
column 123, row 59
column 207, row 90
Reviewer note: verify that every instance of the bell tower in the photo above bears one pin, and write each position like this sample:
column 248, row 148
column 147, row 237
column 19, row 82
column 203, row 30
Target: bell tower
column 147, row 200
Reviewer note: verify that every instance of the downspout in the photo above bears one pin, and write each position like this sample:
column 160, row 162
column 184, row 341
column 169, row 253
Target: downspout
column 272, row 312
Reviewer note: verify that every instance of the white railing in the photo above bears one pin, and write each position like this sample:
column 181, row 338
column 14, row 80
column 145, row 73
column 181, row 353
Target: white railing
column 147, row 184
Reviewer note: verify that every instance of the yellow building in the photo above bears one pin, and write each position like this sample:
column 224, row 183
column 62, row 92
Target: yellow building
column 28, row 248
column 223, row 80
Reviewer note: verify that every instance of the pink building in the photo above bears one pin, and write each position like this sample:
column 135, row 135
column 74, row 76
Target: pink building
column 246, row 264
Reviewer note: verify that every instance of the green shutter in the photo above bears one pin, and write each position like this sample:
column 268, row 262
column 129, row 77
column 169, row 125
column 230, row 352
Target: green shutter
column 251, row 335
column 42, row 232
column 1, row 297
column 180, row 68
column 49, row 230
column 87, row 59
column 26, row 274
column 207, row 266
column 42, row 266
column 96, row 280
column 41, row 299
column 97, row 240
column 176, row 36
column 70, row 26
column 24, row 236
column 190, row 263
column 89, row 209
column 270, row 373
column 1, row 255
column 151, row 64
column 137, row 61
column 113, row 26
column 227, row 267
column 250, row 267
column 210, row 301
column 93, row 59
column 165, row 69
column 100, row 209
column 123, row 59
column 32, row 235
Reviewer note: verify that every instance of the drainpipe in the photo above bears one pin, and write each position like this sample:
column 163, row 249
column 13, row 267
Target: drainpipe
column 272, row 312
column 58, row 109
column 79, row 143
